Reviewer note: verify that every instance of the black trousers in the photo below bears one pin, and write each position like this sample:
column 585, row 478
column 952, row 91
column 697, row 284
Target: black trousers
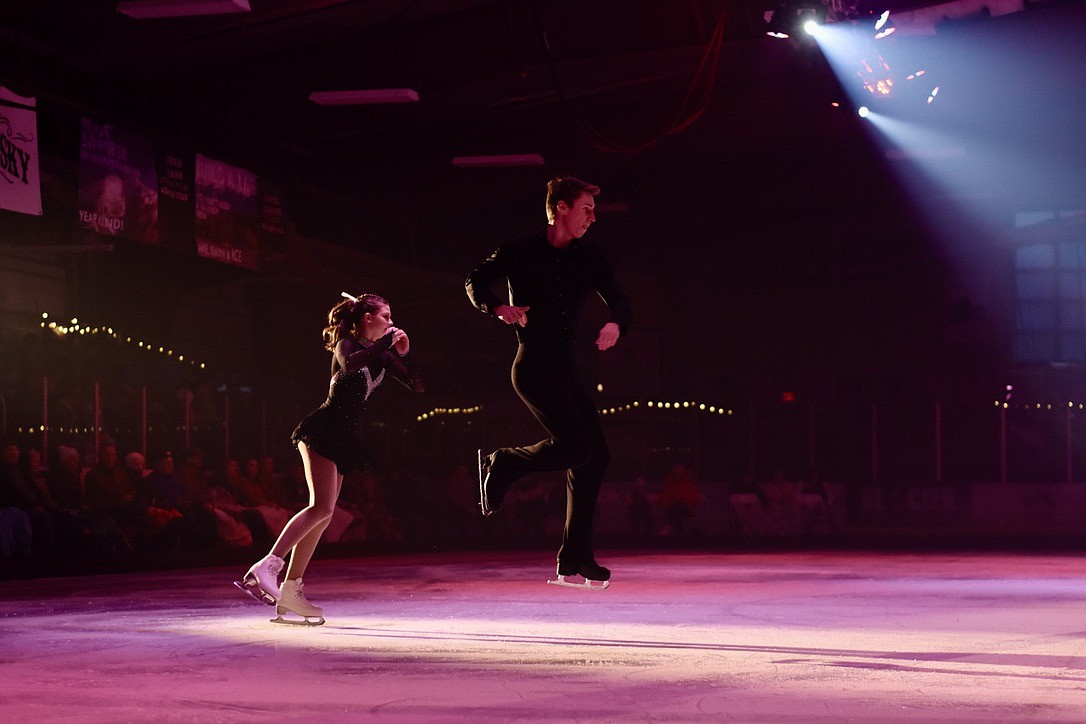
column 548, row 383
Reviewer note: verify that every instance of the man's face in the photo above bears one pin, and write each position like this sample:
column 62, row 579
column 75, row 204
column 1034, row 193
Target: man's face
column 108, row 456
column 577, row 216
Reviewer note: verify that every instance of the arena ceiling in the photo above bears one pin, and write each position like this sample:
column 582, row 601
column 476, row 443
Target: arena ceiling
column 698, row 126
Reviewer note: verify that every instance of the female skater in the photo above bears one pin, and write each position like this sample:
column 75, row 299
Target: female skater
column 365, row 346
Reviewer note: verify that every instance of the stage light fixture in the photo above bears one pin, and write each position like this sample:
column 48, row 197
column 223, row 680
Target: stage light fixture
column 154, row 9
column 863, row 111
column 791, row 16
column 509, row 159
column 364, row 97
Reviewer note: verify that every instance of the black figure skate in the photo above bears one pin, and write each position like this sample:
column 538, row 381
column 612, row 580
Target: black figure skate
column 491, row 492
column 589, row 575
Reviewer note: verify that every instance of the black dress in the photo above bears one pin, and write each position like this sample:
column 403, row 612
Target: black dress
column 332, row 430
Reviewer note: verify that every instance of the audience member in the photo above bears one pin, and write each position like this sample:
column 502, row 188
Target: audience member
column 136, row 470
column 114, row 511
column 193, row 476
column 65, row 480
column 74, row 527
column 197, row 524
column 230, row 525
column 640, row 510
column 678, row 499
column 249, row 500
column 27, row 496
column 16, row 500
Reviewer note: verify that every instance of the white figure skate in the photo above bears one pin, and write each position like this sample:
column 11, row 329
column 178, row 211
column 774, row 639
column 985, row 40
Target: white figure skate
column 293, row 601
column 261, row 582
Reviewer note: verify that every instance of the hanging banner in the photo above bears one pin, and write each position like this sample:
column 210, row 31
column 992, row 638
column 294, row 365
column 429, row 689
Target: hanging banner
column 118, row 183
column 228, row 213
column 273, row 228
column 176, row 200
column 20, row 180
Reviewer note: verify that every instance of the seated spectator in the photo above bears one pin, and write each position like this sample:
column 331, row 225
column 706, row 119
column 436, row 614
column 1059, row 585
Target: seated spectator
column 197, row 524
column 74, row 527
column 272, row 483
column 34, row 470
column 114, row 510
column 193, row 475
column 29, row 498
column 264, row 520
column 17, row 499
column 136, row 470
column 815, row 499
column 363, row 498
column 640, row 510
column 782, row 512
column 679, row 499
column 230, row 523
column 65, row 480
column 780, row 492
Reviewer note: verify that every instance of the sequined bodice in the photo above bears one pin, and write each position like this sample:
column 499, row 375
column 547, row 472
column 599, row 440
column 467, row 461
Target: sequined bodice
column 348, row 392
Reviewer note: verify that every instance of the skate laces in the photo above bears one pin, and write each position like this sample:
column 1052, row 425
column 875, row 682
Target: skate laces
column 298, row 592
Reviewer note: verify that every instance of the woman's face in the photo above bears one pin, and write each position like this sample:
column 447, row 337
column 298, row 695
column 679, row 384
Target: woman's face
column 374, row 325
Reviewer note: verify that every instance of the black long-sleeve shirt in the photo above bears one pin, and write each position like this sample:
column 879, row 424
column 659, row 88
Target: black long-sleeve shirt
column 553, row 282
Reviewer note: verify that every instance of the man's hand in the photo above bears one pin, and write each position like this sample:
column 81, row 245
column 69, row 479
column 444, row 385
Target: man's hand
column 512, row 315
column 609, row 335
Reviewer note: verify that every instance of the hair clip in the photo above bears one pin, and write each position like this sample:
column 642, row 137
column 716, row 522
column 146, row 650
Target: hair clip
column 350, row 296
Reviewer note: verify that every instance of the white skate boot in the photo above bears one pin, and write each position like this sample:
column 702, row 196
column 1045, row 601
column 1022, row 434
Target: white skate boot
column 262, row 580
column 292, row 600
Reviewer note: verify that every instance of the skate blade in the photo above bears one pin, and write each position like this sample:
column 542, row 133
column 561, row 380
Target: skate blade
column 586, row 583
column 255, row 592
column 305, row 621
column 482, row 484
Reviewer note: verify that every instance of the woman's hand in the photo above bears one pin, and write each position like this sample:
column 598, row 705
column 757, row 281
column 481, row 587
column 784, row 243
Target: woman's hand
column 400, row 341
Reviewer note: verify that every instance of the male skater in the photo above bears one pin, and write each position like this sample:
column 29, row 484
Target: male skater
column 550, row 273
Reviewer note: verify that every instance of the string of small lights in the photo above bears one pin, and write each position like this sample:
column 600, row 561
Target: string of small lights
column 1043, row 406
column 446, row 411
column 62, row 329
column 656, row 405
column 88, row 429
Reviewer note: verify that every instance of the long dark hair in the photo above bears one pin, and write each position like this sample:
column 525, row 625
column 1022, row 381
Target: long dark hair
column 343, row 318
